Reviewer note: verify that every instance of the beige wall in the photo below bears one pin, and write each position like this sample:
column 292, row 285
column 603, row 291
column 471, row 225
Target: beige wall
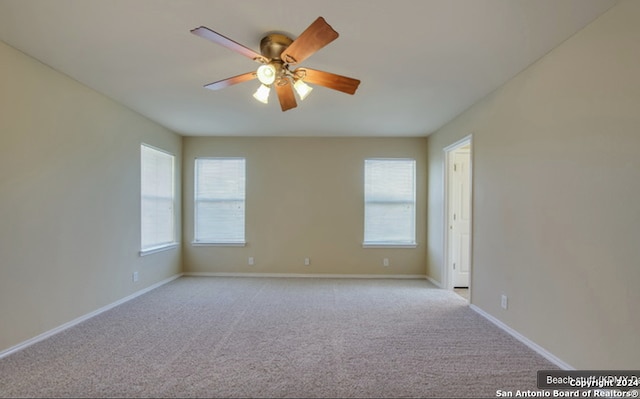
column 557, row 196
column 304, row 199
column 69, row 199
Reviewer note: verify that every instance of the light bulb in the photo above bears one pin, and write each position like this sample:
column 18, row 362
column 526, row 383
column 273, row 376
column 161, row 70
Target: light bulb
column 262, row 94
column 302, row 89
column 266, row 74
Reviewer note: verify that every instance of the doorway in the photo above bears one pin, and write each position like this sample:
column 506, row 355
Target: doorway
column 458, row 216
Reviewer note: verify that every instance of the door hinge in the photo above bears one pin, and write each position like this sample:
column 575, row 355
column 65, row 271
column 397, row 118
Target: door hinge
column 454, row 265
column 455, row 167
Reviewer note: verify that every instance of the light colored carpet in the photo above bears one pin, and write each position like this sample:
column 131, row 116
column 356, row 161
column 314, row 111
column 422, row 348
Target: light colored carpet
column 278, row 337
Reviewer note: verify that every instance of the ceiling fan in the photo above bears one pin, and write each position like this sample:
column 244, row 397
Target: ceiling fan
column 278, row 54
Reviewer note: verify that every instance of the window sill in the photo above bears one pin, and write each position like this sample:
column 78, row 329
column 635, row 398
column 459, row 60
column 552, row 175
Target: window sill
column 218, row 244
column 388, row 245
column 160, row 248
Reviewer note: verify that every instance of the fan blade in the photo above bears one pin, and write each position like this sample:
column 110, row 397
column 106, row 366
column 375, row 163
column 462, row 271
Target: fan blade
column 221, row 84
column 315, row 37
column 326, row 79
column 285, row 95
column 215, row 37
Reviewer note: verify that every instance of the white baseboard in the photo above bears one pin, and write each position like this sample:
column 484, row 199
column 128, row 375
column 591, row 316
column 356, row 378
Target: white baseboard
column 540, row 350
column 306, row 275
column 434, row 282
column 80, row 319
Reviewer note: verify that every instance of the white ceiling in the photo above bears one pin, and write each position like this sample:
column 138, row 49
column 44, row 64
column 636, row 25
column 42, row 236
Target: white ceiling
column 421, row 62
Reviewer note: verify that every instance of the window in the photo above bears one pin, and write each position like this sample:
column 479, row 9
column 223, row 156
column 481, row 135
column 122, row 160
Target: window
column 389, row 202
column 219, row 201
column 157, row 200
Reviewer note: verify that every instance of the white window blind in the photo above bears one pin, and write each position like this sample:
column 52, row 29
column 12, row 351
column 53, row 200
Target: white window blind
column 220, row 200
column 389, row 202
column 157, row 196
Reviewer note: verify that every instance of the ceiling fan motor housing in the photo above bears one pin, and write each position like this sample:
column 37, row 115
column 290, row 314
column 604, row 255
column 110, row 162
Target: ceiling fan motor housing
column 272, row 45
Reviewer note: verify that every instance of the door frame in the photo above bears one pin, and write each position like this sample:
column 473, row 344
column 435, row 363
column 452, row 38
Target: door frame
column 447, row 267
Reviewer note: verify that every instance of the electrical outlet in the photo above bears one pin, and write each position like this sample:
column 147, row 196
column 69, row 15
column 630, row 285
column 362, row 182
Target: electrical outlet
column 251, row 261
column 504, row 301
column 135, row 277
column 385, row 262
column 307, row 261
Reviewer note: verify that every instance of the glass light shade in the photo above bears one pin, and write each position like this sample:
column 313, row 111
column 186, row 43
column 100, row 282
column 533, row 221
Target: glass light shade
column 262, row 94
column 302, row 89
column 266, row 74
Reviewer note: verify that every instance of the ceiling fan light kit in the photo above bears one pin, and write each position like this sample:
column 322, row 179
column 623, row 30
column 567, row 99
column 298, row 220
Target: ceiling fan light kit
column 277, row 53
column 302, row 89
column 266, row 74
column 262, row 94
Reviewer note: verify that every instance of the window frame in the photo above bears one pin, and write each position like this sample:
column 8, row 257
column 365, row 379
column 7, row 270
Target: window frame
column 391, row 243
column 166, row 245
column 220, row 243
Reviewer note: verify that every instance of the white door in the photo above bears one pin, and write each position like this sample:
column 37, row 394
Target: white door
column 460, row 216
